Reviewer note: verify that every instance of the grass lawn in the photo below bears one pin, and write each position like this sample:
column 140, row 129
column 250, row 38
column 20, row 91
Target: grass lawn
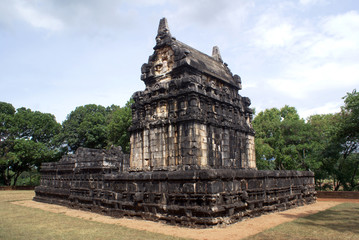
column 18, row 222
column 339, row 222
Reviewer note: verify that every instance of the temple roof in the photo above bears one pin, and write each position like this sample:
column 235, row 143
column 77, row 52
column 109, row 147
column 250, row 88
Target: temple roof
column 211, row 65
column 207, row 64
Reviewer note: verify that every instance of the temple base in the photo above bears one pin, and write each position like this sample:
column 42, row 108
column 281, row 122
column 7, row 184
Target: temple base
column 194, row 198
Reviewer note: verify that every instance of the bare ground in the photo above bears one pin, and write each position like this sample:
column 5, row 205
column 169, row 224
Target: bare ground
column 238, row 230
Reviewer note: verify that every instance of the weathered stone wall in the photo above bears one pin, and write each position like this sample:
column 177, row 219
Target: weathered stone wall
column 190, row 113
column 90, row 180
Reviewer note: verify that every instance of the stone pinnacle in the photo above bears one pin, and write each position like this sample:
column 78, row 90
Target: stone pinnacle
column 216, row 54
column 163, row 27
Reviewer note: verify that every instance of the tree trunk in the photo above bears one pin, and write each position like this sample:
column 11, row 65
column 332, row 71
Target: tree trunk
column 7, row 177
column 15, row 179
column 337, row 186
column 352, row 182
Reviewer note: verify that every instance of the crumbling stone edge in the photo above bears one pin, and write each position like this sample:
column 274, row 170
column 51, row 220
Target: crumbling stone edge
column 192, row 198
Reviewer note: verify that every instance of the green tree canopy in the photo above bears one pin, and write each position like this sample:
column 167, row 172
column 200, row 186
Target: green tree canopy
column 95, row 126
column 86, row 126
column 120, row 121
column 27, row 139
column 7, row 112
column 327, row 144
column 280, row 139
column 35, row 126
column 341, row 155
column 7, row 108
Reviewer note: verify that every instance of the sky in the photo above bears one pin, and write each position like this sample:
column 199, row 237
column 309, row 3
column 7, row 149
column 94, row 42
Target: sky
column 56, row 55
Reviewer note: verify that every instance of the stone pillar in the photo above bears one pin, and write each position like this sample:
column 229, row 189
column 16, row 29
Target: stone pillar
column 250, row 152
column 136, row 157
column 225, row 148
column 146, row 149
column 201, row 138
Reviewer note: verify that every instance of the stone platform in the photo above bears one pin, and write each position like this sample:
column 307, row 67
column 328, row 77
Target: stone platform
column 93, row 180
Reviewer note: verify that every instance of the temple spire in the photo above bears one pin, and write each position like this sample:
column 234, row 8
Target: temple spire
column 216, row 54
column 163, row 27
column 163, row 33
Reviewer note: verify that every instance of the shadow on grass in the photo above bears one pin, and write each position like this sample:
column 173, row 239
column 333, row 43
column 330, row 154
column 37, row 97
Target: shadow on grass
column 341, row 218
column 339, row 222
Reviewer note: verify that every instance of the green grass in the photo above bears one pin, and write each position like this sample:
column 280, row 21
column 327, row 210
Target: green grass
column 339, row 222
column 18, row 222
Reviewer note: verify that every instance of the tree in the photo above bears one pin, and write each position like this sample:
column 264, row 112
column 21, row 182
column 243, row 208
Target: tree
column 349, row 133
column 23, row 156
column 280, row 139
column 86, row 126
column 95, row 126
column 35, row 126
column 321, row 131
column 7, row 112
column 26, row 140
column 7, row 108
column 349, row 129
column 121, row 120
column 341, row 153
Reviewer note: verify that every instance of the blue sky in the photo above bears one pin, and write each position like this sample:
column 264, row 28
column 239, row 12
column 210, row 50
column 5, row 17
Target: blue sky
column 56, row 55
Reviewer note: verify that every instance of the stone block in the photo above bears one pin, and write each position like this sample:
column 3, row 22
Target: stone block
column 214, row 187
column 189, row 188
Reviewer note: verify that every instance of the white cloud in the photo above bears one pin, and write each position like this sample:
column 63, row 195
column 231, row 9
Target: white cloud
column 218, row 15
column 311, row 2
column 330, row 107
column 343, row 25
column 78, row 16
column 273, row 32
column 301, row 81
column 250, row 85
column 312, row 58
column 338, row 37
column 37, row 18
column 277, row 36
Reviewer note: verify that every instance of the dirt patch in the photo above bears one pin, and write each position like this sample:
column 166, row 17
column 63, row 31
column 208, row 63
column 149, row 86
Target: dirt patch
column 238, row 230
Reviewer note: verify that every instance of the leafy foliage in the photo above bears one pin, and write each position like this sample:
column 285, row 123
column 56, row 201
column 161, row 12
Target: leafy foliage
column 26, row 140
column 280, row 139
column 86, row 126
column 121, row 120
column 327, row 144
column 321, row 128
column 95, row 126
column 341, row 153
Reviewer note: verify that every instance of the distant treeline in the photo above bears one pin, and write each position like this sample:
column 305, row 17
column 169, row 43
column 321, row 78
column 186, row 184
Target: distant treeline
column 325, row 144
column 28, row 138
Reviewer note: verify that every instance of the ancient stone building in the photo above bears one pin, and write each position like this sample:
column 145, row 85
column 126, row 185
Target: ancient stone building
column 190, row 114
column 192, row 156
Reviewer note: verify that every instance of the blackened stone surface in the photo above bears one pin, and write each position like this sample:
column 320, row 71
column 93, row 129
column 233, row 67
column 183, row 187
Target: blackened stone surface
column 199, row 198
column 190, row 114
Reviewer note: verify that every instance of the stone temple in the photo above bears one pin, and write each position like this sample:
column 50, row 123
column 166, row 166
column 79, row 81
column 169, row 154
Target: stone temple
column 192, row 158
column 190, row 115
